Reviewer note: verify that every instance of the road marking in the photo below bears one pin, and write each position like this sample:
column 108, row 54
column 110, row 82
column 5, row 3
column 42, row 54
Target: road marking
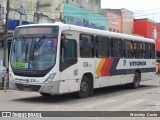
column 126, row 105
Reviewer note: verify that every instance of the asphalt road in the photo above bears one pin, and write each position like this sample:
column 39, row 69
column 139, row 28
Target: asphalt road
column 117, row 98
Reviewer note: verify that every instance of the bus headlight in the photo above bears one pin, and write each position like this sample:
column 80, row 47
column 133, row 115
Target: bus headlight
column 50, row 78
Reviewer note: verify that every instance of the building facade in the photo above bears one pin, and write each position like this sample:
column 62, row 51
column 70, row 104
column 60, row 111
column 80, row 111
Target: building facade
column 82, row 17
column 120, row 20
column 114, row 20
column 49, row 11
column 128, row 21
column 150, row 29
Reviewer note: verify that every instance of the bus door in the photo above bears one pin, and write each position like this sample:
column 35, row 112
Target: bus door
column 68, row 60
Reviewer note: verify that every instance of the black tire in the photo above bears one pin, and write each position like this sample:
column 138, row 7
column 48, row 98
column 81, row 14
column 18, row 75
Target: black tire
column 85, row 88
column 136, row 81
column 45, row 94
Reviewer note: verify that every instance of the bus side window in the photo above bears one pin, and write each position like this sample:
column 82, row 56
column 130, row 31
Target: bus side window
column 86, row 46
column 153, row 51
column 116, row 48
column 102, row 47
column 138, row 49
column 128, row 49
column 147, row 50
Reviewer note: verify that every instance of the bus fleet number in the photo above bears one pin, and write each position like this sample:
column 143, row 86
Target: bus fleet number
column 85, row 64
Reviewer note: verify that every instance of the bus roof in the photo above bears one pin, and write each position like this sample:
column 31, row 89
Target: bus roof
column 93, row 31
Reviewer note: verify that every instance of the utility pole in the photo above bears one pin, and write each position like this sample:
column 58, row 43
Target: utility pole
column 7, row 18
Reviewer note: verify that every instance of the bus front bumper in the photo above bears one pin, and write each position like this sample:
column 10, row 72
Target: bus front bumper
column 50, row 88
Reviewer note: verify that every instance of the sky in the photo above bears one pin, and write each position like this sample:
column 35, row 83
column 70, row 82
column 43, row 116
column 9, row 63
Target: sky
column 141, row 8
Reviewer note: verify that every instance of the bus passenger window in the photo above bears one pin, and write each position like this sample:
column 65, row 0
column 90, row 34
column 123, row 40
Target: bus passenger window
column 138, row 49
column 86, row 46
column 128, row 49
column 116, row 48
column 147, row 50
column 102, row 47
column 153, row 51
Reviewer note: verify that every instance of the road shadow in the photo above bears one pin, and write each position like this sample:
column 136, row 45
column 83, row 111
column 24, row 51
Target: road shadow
column 98, row 93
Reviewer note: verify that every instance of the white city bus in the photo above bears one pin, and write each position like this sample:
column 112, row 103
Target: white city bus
column 60, row 58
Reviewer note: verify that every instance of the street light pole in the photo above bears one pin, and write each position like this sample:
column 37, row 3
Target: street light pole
column 21, row 12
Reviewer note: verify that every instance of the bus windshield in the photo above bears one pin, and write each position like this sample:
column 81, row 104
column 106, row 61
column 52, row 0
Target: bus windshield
column 37, row 53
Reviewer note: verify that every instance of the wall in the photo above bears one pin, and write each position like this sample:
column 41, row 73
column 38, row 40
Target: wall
column 114, row 22
column 140, row 27
column 149, row 29
column 91, row 5
column 128, row 21
column 78, row 16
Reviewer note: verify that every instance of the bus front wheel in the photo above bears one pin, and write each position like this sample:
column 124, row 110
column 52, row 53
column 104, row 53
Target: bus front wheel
column 85, row 88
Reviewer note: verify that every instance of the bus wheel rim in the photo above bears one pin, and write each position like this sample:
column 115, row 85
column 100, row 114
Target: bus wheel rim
column 84, row 87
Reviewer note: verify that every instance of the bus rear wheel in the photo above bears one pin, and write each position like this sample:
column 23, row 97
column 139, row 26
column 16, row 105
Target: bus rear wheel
column 136, row 81
column 45, row 94
column 85, row 88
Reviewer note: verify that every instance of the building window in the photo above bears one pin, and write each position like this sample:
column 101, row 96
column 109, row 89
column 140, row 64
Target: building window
column 96, row 2
column 78, row 1
column 110, row 29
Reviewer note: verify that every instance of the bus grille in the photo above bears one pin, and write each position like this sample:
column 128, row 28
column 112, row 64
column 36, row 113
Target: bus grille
column 28, row 87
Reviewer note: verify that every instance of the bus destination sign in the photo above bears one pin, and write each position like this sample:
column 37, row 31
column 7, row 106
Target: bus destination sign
column 37, row 30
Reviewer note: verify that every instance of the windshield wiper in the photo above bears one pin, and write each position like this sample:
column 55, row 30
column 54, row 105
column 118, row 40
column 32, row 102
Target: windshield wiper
column 38, row 44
